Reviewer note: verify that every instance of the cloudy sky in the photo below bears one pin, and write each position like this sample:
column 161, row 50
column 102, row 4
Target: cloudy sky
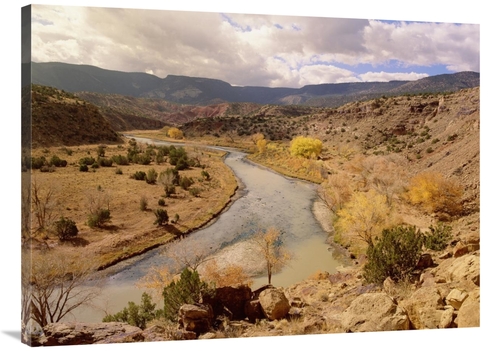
column 244, row 49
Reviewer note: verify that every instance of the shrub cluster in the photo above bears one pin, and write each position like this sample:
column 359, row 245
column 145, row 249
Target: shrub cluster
column 189, row 289
column 66, row 228
column 161, row 217
column 99, row 218
column 136, row 315
column 394, row 254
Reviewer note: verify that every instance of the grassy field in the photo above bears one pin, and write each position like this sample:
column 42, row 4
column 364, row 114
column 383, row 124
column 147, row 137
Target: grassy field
column 131, row 230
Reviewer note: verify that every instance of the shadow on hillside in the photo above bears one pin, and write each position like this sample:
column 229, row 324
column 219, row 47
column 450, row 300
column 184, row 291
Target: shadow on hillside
column 174, row 230
column 78, row 242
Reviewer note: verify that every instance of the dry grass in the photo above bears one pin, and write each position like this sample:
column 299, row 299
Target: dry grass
column 130, row 230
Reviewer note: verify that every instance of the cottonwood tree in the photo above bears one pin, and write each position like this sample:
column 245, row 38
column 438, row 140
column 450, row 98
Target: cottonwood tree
column 365, row 215
column 54, row 285
column 256, row 137
column 231, row 274
column 270, row 248
column 435, row 194
column 306, row 147
column 175, row 133
column 335, row 191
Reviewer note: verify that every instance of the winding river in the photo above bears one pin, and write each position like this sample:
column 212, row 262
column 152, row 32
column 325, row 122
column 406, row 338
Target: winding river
column 265, row 199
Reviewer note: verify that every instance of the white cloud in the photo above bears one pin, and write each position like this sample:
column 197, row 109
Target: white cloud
column 388, row 76
column 456, row 46
column 245, row 49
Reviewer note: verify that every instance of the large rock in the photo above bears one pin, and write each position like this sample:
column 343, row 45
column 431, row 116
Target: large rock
column 425, row 308
column 464, row 268
column 253, row 310
column 274, row 304
column 468, row 314
column 455, row 298
column 230, row 299
column 74, row 333
column 196, row 318
column 374, row 312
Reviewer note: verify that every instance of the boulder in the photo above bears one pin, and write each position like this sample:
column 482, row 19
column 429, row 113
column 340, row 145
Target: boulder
column 460, row 249
column 424, row 307
column 274, row 304
column 425, row 261
column 468, row 314
column 374, row 312
column 232, row 299
column 253, row 310
column 197, row 318
column 456, row 297
column 464, row 268
column 446, row 318
column 74, row 333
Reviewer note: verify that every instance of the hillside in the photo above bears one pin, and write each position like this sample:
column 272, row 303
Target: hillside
column 205, row 91
column 433, row 132
column 60, row 118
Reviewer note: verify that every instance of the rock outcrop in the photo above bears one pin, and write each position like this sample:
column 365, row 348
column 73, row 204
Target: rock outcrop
column 374, row 312
column 89, row 333
column 274, row 303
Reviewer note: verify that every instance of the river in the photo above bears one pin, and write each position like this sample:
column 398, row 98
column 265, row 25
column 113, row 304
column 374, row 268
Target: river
column 265, row 199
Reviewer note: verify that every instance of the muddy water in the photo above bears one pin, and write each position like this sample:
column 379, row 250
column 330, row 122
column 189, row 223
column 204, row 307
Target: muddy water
column 265, row 199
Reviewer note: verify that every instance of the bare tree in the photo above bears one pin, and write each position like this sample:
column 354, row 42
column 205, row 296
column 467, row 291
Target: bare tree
column 54, row 285
column 271, row 249
column 186, row 254
column 44, row 205
column 335, row 191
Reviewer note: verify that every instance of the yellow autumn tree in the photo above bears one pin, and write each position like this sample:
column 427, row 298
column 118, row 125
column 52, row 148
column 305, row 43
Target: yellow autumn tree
column 306, row 147
column 364, row 216
column 232, row 274
column 435, row 194
column 270, row 247
column 262, row 145
column 175, row 133
column 256, row 137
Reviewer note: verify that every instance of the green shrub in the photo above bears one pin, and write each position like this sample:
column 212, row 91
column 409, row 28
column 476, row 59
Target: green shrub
column 84, row 168
column 120, row 160
column 139, row 175
column 189, row 289
column 169, row 190
column 205, row 175
column 394, row 254
column 151, row 176
column 101, row 150
column 161, row 217
column 161, row 202
column 104, row 162
column 185, row 182
column 195, row 191
column 438, row 237
column 57, row 162
column 98, row 219
column 87, row 161
column 118, row 171
column 37, row 162
column 66, row 228
column 135, row 315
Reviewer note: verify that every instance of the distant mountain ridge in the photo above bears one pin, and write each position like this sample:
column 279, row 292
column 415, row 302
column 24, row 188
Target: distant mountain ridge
column 206, row 91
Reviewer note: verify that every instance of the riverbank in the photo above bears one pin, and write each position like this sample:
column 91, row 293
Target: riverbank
column 132, row 203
